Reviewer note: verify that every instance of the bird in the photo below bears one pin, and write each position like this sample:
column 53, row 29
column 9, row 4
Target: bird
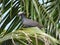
column 28, row 22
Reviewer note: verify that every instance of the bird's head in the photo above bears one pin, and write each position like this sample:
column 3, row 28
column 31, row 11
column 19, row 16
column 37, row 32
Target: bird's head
column 21, row 13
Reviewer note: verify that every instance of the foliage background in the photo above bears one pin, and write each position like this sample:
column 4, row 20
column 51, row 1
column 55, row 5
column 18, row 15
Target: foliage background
column 46, row 13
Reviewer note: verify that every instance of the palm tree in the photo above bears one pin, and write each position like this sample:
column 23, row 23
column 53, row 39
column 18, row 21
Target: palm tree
column 46, row 13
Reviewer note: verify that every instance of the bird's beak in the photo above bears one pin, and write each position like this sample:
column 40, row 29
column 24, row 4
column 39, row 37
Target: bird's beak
column 18, row 16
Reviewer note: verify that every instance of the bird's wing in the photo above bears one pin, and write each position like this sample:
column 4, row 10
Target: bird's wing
column 30, row 22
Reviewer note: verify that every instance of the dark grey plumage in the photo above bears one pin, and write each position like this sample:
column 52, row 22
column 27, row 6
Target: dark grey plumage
column 29, row 22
